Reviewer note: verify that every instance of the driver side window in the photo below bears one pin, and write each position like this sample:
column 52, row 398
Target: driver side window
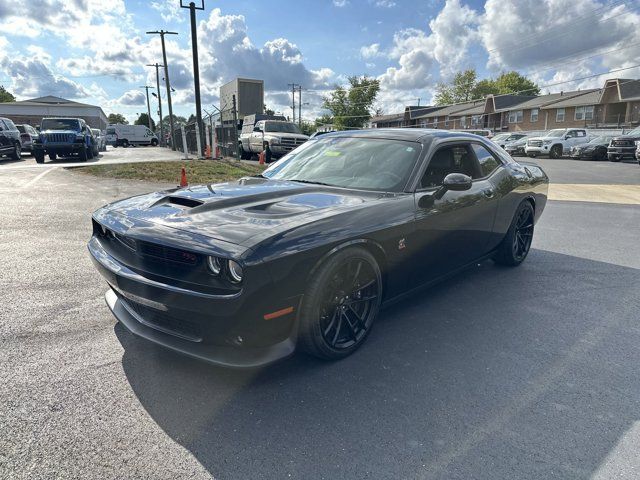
column 450, row 159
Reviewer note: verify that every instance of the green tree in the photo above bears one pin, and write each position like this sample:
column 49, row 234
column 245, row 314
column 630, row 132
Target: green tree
column 117, row 118
column 351, row 107
column 268, row 111
column 178, row 122
column 143, row 119
column 513, row 82
column 324, row 120
column 6, row 96
column 307, row 127
column 465, row 87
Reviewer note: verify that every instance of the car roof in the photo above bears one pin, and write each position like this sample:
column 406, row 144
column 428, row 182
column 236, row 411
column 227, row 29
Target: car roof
column 407, row 134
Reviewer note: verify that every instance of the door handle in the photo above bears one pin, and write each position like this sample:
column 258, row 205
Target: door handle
column 488, row 192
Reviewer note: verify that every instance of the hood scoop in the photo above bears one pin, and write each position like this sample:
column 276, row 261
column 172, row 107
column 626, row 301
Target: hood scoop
column 179, row 201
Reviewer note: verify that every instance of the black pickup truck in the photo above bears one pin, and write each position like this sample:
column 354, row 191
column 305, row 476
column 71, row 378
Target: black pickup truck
column 624, row 146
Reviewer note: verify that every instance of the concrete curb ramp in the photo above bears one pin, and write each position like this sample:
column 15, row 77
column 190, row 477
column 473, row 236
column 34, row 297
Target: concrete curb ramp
column 621, row 194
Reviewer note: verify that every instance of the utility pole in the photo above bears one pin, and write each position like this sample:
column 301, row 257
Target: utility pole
column 146, row 87
column 162, row 33
column 235, row 128
column 300, row 105
column 196, row 69
column 293, row 99
column 157, row 66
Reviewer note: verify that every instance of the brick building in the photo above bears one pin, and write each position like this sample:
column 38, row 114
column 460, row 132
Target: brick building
column 31, row 112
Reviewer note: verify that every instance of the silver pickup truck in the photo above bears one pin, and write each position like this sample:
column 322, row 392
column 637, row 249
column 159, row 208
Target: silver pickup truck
column 274, row 134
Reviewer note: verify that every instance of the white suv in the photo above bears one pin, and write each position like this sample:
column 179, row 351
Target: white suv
column 557, row 142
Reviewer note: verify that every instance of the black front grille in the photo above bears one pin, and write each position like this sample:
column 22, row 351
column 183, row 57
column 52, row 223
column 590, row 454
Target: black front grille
column 622, row 143
column 60, row 137
column 165, row 323
column 167, row 253
column 535, row 143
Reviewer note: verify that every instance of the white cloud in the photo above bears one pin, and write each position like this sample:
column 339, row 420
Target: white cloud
column 385, row 3
column 340, row 3
column 132, row 98
column 169, row 10
column 370, row 51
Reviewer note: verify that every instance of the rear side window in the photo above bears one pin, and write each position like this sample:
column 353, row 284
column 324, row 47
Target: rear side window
column 488, row 163
column 10, row 125
column 21, row 128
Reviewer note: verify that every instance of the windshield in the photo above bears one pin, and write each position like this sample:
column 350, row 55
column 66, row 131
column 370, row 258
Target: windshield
column 360, row 163
column 635, row 132
column 283, row 127
column 111, row 131
column 600, row 140
column 60, row 124
column 558, row 132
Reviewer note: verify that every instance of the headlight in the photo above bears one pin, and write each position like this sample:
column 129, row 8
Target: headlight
column 546, row 142
column 235, row 271
column 275, row 140
column 637, row 142
column 214, row 265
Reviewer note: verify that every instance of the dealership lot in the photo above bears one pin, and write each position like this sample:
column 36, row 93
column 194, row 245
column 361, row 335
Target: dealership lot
column 497, row 373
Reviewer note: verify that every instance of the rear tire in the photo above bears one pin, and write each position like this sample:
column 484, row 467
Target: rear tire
column 154, row 142
column 532, row 155
column 125, row 144
column 340, row 304
column 244, row 155
column 516, row 244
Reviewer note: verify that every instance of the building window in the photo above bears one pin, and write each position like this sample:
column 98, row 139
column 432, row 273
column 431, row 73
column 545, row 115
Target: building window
column 435, row 122
column 463, row 121
column 584, row 113
column 446, row 121
column 475, row 120
column 559, row 115
column 534, row 115
column 515, row 116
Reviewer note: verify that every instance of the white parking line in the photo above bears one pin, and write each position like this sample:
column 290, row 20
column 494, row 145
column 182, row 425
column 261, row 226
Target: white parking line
column 34, row 180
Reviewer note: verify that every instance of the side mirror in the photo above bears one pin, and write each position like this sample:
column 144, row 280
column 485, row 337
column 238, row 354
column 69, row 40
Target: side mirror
column 567, row 137
column 457, row 182
column 257, row 129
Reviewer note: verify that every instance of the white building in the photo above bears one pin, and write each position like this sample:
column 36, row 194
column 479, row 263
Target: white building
column 31, row 112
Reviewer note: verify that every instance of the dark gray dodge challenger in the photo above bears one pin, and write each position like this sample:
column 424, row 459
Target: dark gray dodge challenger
column 304, row 255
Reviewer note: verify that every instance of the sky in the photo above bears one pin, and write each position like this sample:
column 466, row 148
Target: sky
column 95, row 51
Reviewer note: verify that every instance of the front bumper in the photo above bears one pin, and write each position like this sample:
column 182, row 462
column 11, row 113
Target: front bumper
column 57, row 147
column 621, row 153
column 583, row 155
column 227, row 330
column 543, row 150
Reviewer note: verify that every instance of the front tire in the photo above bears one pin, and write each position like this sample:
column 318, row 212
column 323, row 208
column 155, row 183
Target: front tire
column 39, row 157
column 17, row 153
column 244, row 155
column 340, row 304
column 82, row 155
column 154, row 142
column 52, row 156
column 517, row 242
column 556, row 151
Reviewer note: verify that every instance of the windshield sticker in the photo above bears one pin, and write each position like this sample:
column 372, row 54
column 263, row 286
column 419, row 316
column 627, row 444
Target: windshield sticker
column 332, row 153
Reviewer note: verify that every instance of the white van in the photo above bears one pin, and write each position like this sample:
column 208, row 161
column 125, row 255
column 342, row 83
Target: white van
column 124, row 135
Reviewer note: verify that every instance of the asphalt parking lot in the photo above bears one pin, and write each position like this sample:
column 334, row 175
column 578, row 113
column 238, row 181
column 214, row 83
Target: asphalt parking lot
column 497, row 373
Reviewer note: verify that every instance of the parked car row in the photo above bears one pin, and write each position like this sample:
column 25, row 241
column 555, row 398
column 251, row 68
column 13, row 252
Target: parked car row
column 577, row 143
column 56, row 137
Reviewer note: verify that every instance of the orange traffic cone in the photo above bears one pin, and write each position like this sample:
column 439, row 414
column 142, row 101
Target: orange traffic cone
column 261, row 157
column 183, row 178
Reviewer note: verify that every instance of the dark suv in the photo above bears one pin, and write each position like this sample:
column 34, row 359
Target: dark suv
column 10, row 143
column 624, row 147
column 64, row 137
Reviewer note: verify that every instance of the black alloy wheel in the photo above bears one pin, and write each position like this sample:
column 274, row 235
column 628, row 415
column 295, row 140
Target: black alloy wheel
column 517, row 242
column 523, row 234
column 341, row 304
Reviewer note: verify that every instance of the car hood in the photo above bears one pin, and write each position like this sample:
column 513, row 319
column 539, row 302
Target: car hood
column 60, row 131
column 286, row 135
column 242, row 212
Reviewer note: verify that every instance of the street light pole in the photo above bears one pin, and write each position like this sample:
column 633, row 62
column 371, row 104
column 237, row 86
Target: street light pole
column 196, row 69
column 157, row 66
column 146, row 87
column 162, row 33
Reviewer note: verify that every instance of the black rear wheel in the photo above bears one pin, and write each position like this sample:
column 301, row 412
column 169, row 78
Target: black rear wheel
column 517, row 242
column 52, row 156
column 341, row 304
